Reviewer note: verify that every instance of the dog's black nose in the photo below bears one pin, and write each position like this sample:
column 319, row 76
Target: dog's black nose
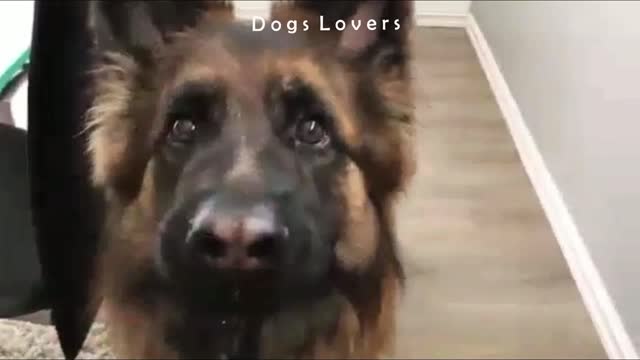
column 235, row 238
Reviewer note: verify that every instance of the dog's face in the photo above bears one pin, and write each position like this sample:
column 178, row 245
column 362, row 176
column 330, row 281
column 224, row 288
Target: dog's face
column 250, row 176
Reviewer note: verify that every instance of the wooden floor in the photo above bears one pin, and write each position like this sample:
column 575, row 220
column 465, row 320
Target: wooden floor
column 486, row 276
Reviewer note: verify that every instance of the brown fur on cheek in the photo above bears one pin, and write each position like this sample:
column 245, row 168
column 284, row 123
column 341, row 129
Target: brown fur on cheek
column 357, row 245
column 136, row 334
column 331, row 329
column 387, row 157
column 129, row 237
column 369, row 338
column 397, row 95
column 135, row 327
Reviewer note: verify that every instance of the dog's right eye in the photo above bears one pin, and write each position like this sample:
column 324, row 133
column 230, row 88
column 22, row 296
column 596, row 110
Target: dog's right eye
column 182, row 131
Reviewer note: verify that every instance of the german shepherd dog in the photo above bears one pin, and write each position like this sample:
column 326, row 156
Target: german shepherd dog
column 250, row 174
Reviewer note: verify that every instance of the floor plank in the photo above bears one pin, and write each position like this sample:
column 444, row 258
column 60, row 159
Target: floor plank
column 486, row 276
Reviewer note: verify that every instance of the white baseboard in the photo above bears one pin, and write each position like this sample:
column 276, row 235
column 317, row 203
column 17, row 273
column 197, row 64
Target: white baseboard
column 441, row 19
column 599, row 304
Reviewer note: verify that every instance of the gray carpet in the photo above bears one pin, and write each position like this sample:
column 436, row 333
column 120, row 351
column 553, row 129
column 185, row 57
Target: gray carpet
column 26, row 340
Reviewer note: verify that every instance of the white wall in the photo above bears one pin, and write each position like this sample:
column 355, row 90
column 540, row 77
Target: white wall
column 15, row 30
column 247, row 9
column 574, row 70
column 442, row 7
column 15, row 37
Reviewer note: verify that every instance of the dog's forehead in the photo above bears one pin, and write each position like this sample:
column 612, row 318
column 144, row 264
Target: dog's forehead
column 244, row 37
column 245, row 41
column 243, row 58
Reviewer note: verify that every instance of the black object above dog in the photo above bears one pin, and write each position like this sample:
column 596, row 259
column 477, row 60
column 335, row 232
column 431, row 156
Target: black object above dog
column 47, row 219
column 62, row 200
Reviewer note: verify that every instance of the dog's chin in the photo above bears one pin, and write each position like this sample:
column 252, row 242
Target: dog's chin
column 226, row 319
column 246, row 294
column 242, row 335
column 221, row 314
column 219, row 329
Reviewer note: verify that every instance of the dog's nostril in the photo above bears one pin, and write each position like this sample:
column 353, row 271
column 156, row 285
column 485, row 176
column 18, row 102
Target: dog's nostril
column 264, row 246
column 207, row 243
column 233, row 238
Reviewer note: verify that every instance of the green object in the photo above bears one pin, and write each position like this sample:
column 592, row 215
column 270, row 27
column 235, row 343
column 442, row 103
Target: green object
column 14, row 69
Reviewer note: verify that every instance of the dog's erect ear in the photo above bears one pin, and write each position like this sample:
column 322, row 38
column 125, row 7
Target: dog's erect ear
column 383, row 24
column 359, row 29
column 137, row 27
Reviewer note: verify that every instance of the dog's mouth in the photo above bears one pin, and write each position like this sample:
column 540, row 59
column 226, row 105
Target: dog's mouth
column 239, row 327
column 228, row 321
column 238, row 293
column 218, row 319
column 216, row 334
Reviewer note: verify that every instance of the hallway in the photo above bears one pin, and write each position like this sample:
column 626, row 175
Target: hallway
column 486, row 275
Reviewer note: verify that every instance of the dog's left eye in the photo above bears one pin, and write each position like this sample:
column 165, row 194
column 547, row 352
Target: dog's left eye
column 311, row 132
column 183, row 130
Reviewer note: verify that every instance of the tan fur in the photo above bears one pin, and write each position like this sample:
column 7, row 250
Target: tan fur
column 131, row 241
column 196, row 72
column 134, row 334
column 372, row 339
column 245, row 168
column 345, row 343
column 220, row 11
column 107, row 119
column 357, row 246
column 381, row 337
column 353, row 338
column 398, row 94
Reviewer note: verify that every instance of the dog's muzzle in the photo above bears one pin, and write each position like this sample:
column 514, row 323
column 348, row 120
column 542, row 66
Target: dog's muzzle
column 260, row 246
